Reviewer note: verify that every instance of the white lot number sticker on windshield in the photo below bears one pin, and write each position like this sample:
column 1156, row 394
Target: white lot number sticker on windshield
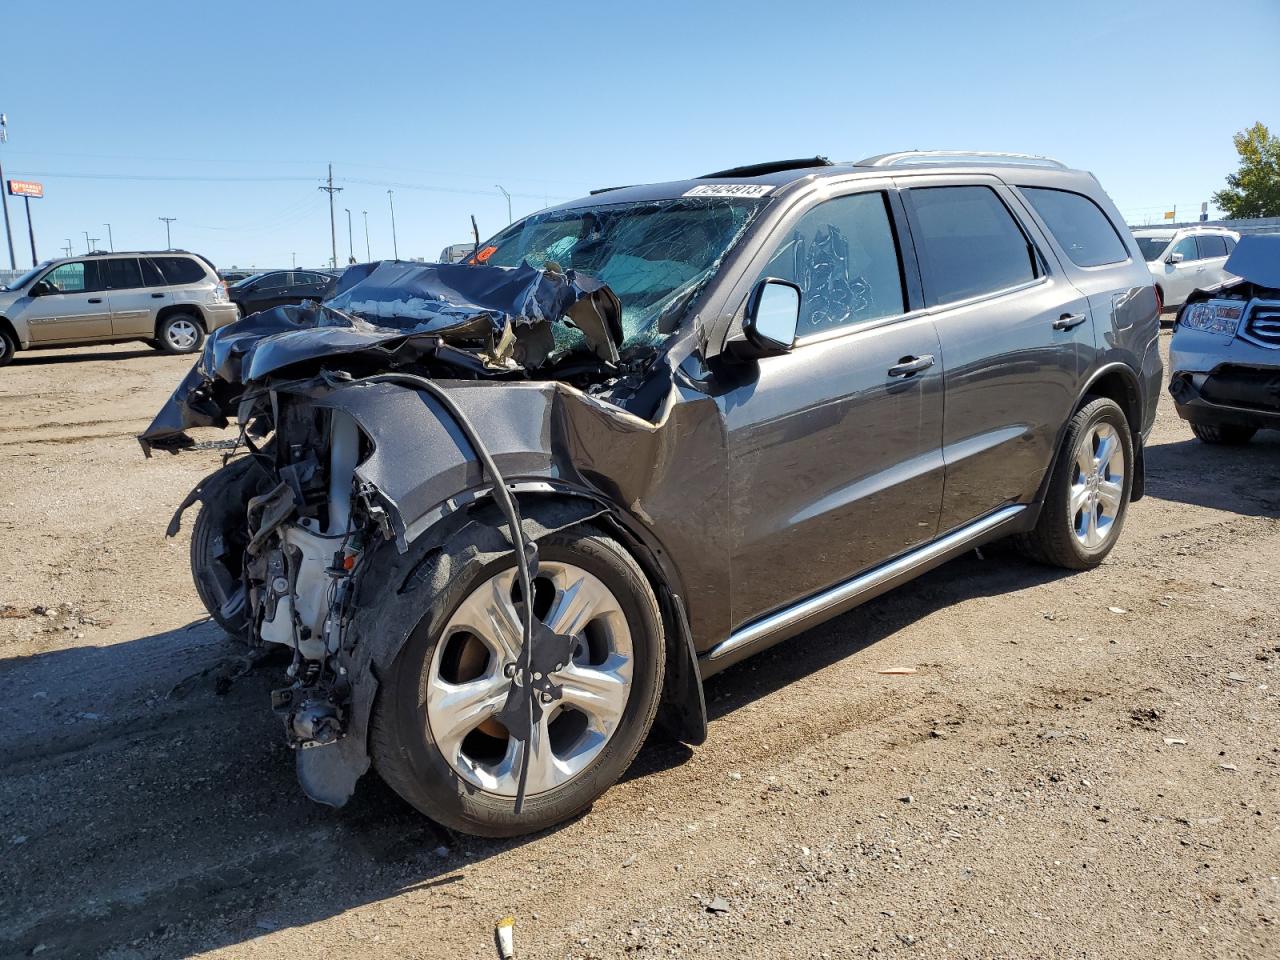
column 730, row 190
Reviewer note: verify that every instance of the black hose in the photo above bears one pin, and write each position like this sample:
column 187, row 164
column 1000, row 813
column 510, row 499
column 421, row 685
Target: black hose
column 509, row 509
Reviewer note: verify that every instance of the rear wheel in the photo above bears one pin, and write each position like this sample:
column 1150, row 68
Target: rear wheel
column 180, row 333
column 1088, row 494
column 1223, row 434
column 436, row 736
column 8, row 346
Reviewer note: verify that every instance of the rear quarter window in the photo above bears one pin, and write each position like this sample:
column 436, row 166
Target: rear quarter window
column 1083, row 231
column 177, row 270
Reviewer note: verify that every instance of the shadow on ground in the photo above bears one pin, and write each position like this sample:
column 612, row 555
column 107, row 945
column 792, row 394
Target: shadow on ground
column 37, row 358
column 1243, row 480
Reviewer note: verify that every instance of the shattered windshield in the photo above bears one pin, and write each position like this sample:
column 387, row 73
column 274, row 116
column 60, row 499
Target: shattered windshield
column 1152, row 247
column 654, row 255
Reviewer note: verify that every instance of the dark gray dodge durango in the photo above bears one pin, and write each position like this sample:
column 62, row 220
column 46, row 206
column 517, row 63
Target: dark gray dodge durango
column 502, row 516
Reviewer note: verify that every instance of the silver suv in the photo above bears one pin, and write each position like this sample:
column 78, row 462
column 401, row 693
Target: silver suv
column 168, row 299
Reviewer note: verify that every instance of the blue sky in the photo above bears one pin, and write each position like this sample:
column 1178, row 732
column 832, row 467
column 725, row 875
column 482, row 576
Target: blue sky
column 224, row 115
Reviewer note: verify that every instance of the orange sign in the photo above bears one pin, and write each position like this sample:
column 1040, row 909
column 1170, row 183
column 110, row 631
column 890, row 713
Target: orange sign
column 25, row 188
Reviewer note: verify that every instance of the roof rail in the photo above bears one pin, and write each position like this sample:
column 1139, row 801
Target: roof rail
column 910, row 157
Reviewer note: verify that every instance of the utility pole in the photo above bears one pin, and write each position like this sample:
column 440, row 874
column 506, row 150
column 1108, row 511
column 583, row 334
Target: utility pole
column 395, row 249
column 508, row 196
column 111, row 242
column 168, row 240
column 295, row 260
column 351, row 247
column 4, row 193
column 93, row 243
column 68, row 247
column 368, row 257
column 333, row 229
column 87, row 247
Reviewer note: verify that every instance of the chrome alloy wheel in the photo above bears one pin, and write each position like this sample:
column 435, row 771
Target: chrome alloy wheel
column 468, row 682
column 182, row 334
column 1097, row 484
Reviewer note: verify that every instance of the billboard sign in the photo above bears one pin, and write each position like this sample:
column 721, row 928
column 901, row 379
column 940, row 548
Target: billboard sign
column 25, row 188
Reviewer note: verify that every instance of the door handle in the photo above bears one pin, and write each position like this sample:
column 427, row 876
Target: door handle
column 157, row 296
column 95, row 299
column 911, row 365
column 1069, row 320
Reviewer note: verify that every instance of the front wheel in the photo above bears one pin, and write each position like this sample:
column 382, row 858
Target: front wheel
column 8, row 347
column 436, row 736
column 1088, row 494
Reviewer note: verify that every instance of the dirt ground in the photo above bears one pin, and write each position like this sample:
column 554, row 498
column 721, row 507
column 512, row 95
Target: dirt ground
column 1082, row 766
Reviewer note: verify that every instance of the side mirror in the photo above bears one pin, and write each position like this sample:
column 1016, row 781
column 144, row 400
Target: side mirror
column 39, row 289
column 1174, row 258
column 769, row 327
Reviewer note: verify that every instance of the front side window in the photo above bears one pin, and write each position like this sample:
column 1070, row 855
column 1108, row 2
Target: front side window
column 969, row 243
column 80, row 276
column 1210, row 246
column 1187, row 247
column 273, row 281
column 656, row 255
column 843, row 256
column 1076, row 222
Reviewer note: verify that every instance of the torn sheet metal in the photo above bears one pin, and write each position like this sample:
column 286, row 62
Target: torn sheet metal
column 486, row 320
column 1256, row 259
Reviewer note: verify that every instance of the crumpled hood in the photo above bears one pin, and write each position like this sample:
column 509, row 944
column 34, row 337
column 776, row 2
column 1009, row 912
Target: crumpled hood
column 486, row 319
column 1256, row 258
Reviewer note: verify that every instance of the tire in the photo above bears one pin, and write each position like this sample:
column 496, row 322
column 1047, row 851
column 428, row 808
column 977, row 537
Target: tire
column 1058, row 538
column 180, row 333
column 1223, row 434
column 218, row 539
column 8, row 347
column 407, row 751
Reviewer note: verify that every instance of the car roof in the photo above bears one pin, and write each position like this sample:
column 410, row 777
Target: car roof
column 772, row 178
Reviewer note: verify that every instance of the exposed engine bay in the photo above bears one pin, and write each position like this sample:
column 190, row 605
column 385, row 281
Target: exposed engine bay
column 329, row 400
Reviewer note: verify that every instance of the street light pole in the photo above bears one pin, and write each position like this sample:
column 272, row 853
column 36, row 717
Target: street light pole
column 4, row 194
column 295, row 260
column 87, row 247
column 111, row 242
column 395, row 249
column 367, row 255
column 168, row 240
column 351, row 246
column 508, row 196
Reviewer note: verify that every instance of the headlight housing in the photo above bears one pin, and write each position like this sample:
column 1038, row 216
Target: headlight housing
column 1213, row 316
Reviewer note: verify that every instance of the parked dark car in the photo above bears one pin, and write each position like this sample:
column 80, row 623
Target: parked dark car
column 262, row 291
column 507, row 515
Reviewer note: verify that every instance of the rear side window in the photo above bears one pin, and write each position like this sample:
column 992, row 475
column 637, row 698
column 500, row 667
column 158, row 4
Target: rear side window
column 176, row 270
column 1076, row 222
column 121, row 274
column 1231, row 243
column 1211, row 246
column 843, row 256
column 969, row 243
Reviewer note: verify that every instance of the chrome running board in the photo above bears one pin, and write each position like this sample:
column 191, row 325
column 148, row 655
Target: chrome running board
column 792, row 620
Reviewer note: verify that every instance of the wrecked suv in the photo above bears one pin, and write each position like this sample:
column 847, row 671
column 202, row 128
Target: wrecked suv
column 506, row 514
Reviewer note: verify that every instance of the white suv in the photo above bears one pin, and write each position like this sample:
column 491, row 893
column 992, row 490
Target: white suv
column 1184, row 260
column 169, row 299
